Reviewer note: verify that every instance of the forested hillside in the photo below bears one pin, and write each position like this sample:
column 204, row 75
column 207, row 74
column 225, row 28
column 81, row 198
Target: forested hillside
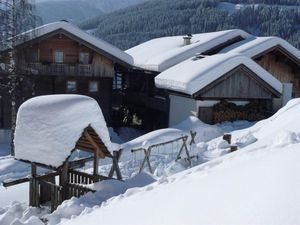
column 78, row 10
column 129, row 27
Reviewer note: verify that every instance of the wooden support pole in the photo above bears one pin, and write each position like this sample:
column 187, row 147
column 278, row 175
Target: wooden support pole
column 63, row 180
column 146, row 160
column 96, row 166
column 34, row 187
column 184, row 147
column 115, row 166
column 193, row 135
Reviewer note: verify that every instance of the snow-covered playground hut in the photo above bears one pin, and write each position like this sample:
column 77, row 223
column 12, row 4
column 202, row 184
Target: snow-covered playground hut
column 48, row 130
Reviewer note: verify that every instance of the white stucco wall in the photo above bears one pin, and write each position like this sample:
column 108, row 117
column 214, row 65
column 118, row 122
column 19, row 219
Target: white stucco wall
column 5, row 136
column 181, row 108
column 287, row 90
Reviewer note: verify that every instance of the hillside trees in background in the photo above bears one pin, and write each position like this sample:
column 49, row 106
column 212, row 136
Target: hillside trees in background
column 129, row 27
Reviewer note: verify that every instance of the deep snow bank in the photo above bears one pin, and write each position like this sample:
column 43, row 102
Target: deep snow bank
column 258, row 184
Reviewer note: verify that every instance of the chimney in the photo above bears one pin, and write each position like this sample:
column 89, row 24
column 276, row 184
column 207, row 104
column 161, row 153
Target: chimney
column 187, row 39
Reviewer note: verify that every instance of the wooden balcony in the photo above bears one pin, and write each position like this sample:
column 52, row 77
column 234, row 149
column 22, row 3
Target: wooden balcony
column 58, row 69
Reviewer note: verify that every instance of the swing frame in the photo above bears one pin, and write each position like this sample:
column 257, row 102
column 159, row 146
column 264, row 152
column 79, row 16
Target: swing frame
column 147, row 151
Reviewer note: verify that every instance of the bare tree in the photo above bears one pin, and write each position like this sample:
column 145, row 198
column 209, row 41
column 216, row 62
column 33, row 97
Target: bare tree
column 17, row 17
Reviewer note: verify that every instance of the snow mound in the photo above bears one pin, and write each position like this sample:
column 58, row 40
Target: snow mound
column 48, row 127
column 205, row 132
column 20, row 214
column 104, row 191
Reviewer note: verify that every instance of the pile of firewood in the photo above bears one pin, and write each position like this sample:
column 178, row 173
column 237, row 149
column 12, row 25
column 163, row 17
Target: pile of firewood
column 226, row 111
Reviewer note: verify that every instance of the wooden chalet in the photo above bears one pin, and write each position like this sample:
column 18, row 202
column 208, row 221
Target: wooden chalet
column 60, row 58
column 234, row 91
column 54, row 155
column 140, row 94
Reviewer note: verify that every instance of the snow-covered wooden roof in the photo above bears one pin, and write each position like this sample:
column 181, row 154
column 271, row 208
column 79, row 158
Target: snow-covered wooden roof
column 48, row 127
column 194, row 74
column 102, row 46
column 254, row 46
column 162, row 53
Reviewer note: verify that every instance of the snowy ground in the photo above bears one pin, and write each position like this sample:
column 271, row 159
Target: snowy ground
column 258, row 184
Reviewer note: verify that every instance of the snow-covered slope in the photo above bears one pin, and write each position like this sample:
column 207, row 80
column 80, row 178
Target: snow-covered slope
column 254, row 188
column 258, row 184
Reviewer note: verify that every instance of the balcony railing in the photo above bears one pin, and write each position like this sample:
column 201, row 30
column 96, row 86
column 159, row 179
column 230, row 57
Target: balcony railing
column 58, row 69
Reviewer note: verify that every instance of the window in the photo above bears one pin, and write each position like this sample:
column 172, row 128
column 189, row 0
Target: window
column 58, row 57
column 71, row 86
column 93, row 86
column 84, row 58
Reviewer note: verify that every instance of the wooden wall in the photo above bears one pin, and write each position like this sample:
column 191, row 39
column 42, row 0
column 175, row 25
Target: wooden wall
column 277, row 64
column 62, row 43
column 57, row 85
column 240, row 83
column 44, row 85
column 102, row 66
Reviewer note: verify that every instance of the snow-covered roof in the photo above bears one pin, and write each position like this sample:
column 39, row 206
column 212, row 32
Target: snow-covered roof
column 79, row 33
column 48, row 127
column 254, row 46
column 193, row 75
column 162, row 53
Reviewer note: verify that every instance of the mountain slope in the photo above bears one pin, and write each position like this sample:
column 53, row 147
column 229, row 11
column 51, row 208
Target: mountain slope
column 131, row 26
column 78, row 10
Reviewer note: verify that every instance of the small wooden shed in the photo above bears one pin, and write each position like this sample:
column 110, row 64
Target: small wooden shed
column 62, row 124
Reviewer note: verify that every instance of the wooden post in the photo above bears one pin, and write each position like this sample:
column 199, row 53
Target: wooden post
column 227, row 137
column 233, row 148
column 193, row 135
column 146, row 159
column 115, row 166
column 96, row 166
column 184, row 147
column 34, row 187
column 63, row 181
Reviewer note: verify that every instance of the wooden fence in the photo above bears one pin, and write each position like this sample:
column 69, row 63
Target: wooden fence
column 56, row 194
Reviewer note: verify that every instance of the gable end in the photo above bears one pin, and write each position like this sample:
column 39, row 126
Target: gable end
column 239, row 83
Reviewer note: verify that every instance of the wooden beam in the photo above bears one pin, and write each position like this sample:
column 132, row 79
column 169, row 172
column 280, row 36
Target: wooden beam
column 15, row 182
column 80, row 162
column 96, row 146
